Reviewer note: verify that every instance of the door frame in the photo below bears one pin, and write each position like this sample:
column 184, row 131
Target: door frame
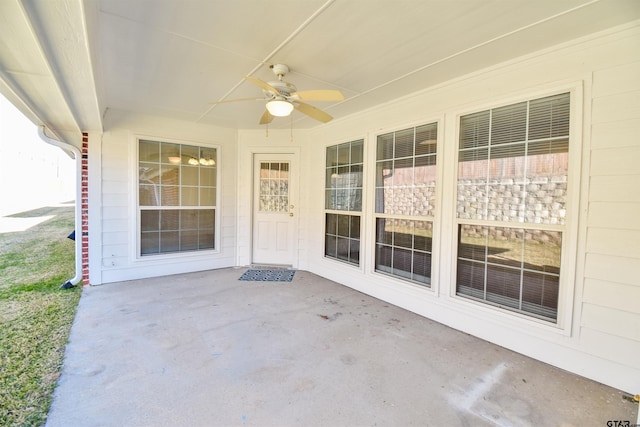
column 294, row 181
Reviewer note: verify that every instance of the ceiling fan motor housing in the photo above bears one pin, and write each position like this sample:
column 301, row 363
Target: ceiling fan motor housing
column 279, row 70
column 285, row 89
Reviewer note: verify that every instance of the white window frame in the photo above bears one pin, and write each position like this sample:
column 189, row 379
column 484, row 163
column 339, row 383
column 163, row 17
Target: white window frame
column 569, row 250
column 360, row 213
column 434, row 286
column 134, row 218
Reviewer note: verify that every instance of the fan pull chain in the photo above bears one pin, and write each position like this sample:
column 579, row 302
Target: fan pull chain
column 267, row 130
column 291, row 137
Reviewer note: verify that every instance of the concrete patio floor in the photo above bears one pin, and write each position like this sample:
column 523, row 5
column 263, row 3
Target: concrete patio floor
column 206, row 349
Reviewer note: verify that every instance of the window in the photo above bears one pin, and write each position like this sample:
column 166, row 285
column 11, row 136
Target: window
column 511, row 205
column 343, row 192
column 274, row 187
column 405, row 202
column 176, row 197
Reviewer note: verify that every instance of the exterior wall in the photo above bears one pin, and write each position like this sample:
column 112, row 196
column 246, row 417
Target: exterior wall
column 598, row 333
column 610, row 323
column 116, row 183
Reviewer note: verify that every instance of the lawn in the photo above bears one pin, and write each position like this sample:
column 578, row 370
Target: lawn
column 35, row 314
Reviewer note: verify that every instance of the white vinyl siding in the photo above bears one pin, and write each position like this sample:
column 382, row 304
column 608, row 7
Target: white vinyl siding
column 610, row 310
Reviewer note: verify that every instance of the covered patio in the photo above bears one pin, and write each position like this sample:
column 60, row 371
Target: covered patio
column 470, row 162
column 208, row 349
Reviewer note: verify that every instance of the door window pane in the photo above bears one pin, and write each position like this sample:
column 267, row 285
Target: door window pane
column 274, row 187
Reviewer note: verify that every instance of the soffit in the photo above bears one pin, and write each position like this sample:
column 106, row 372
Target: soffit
column 45, row 69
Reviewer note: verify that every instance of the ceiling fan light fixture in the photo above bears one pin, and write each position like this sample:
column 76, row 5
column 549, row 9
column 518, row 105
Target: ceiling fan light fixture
column 279, row 108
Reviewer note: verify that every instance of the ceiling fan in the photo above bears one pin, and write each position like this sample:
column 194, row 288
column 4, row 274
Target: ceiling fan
column 283, row 97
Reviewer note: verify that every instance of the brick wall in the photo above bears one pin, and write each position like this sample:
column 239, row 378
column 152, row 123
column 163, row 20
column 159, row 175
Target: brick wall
column 85, row 208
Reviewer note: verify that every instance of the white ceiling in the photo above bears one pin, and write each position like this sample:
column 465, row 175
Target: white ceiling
column 173, row 58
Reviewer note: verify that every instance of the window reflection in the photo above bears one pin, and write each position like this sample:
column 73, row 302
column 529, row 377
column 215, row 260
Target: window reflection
column 405, row 190
column 182, row 180
column 513, row 168
column 343, row 192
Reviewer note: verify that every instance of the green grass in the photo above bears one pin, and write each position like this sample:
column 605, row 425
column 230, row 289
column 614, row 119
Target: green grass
column 35, row 315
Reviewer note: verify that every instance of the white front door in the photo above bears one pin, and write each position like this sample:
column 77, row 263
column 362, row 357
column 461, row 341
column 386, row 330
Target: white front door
column 274, row 209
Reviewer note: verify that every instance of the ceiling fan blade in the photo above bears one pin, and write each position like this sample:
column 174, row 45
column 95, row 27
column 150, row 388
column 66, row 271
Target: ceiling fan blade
column 236, row 100
column 266, row 118
column 313, row 112
column 319, row 95
column 264, row 85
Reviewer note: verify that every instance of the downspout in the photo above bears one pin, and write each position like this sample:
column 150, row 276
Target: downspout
column 78, row 217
